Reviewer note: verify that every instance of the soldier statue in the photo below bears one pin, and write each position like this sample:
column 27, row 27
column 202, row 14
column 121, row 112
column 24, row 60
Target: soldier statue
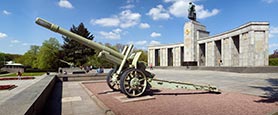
column 191, row 12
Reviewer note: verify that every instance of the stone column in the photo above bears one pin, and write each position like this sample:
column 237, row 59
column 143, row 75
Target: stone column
column 266, row 60
column 191, row 29
column 206, row 50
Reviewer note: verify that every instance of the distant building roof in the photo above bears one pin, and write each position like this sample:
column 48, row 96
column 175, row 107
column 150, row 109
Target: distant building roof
column 11, row 63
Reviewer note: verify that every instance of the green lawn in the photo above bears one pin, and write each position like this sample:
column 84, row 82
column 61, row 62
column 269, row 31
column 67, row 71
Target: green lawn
column 24, row 74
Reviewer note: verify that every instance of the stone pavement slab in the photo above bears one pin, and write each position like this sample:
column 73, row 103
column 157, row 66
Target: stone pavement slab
column 21, row 85
column 259, row 84
column 75, row 101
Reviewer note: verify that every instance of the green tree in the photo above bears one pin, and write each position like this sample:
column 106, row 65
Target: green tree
column 144, row 55
column 30, row 57
column 2, row 59
column 74, row 51
column 48, row 54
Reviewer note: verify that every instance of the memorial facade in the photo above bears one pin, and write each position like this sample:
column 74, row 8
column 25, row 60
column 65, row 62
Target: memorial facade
column 246, row 45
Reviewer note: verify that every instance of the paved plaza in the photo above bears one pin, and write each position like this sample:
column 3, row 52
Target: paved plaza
column 260, row 84
column 21, row 85
column 76, row 101
column 71, row 98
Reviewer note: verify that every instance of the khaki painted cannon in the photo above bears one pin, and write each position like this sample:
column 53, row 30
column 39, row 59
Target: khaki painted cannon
column 129, row 75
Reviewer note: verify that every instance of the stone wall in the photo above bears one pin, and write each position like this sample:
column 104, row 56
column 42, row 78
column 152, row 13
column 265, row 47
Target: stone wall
column 246, row 45
column 165, row 55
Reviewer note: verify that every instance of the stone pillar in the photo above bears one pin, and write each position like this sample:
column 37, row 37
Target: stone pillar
column 210, row 54
column 266, row 59
column 206, row 53
column 163, row 57
column 222, row 51
column 151, row 57
column 191, row 29
column 251, row 61
column 176, row 56
column 244, row 49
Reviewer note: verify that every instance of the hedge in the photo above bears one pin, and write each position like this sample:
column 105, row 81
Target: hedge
column 273, row 61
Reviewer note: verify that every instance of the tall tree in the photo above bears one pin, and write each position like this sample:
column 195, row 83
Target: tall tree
column 48, row 54
column 30, row 57
column 275, row 54
column 2, row 59
column 74, row 51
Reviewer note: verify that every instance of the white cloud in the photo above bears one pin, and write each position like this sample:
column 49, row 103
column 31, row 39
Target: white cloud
column 153, row 43
column 138, row 43
column 144, row 25
column 129, row 6
column 154, row 34
column 273, row 32
column 274, row 45
column 204, row 13
column 6, row 12
column 125, row 19
column 270, row 1
column 106, row 22
column 113, row 35
column 158, row 13
column 131, row 1
column 179, row 8
column 25, row 44
column 15, row 41
column 3, row 35
column 141, row 43
column 65, row 4
column 129, row 19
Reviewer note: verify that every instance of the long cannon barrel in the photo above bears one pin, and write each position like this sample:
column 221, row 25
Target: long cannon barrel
column 78, row 38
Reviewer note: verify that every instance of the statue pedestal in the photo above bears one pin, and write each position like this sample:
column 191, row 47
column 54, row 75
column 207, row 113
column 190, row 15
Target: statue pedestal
column 193, row 31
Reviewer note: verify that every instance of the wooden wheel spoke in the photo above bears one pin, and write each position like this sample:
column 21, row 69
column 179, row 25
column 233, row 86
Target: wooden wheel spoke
column 126, row 83
column 113, row 84
column 140, row 80
column 129, row 90
column 133, row 92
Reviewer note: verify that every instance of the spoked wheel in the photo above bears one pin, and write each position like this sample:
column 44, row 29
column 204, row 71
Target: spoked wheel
column 113, row 84
column 133, row 82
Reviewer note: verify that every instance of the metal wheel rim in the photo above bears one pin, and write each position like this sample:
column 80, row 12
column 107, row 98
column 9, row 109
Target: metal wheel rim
column 135, row 83
column 114, row 85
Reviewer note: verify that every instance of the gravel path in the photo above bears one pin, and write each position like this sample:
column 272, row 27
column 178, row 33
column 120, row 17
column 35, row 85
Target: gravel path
column 177, row 102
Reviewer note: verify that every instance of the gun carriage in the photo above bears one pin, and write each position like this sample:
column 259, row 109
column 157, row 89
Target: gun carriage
column 129, row 75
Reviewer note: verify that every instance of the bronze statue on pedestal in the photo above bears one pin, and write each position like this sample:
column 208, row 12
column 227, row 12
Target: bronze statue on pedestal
column 191, row 12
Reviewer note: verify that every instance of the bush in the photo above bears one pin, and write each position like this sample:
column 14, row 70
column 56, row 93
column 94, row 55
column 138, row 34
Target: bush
column 273, row 61
column 40, row 70
column 3, row 72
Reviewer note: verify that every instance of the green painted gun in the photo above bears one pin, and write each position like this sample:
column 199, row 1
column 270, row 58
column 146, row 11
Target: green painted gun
column 129, row 75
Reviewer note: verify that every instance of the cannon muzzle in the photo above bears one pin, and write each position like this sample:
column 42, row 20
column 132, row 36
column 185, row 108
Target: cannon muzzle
column 78, row 38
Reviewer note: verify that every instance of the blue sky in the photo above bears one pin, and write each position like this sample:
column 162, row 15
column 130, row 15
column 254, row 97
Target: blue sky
column 141, row 22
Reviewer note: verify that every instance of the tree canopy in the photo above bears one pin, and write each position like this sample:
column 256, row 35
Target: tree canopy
column 48, row 54
column 74, row 51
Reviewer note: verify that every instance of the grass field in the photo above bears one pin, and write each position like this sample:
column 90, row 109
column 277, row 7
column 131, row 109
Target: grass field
column 23, row 74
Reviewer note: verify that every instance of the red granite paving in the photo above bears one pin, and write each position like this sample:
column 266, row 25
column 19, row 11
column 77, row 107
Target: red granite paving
column 184, row 102
column 7, row 87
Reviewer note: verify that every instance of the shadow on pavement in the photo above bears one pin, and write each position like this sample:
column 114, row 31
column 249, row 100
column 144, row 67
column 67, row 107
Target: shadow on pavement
column 53, row 105
column 158, row 92
column 271, row 91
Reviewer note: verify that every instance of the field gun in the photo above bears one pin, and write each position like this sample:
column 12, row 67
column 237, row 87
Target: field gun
column 68, row 63
column 129, row 75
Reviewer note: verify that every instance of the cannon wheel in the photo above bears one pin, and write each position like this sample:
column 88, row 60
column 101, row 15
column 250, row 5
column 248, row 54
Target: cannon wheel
column 114, row 86
column 133, row 82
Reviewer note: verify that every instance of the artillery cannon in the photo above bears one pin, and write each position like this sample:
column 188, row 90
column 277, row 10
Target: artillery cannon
column 69, row 63
column 129, row 75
